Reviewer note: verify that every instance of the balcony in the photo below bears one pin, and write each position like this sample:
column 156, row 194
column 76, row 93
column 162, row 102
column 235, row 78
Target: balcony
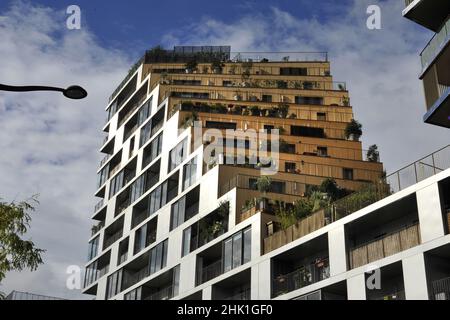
column 97, row 227
column 437, row 264
column 390, row 244
column 391, row 286
column 441, row 289
column 235, row 287
column 429, row 13
column 113, row 233
column 300, row 266
column 163, row 294
column 435, row 46
column 302, row 277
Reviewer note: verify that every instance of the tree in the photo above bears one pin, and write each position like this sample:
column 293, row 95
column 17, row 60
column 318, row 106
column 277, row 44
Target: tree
column 373, row 155
column 15, row 252
column 353, row 130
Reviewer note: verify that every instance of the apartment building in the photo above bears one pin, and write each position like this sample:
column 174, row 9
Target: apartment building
column 164, row 213
column 435, row 57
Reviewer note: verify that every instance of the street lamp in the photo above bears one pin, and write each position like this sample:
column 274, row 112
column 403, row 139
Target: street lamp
column 72, row 92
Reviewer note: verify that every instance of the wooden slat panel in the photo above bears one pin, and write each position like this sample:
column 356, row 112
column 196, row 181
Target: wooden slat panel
column 391, row 244
column 359, row 257
column 409, row 237
column 375, row 251
column 267, row 245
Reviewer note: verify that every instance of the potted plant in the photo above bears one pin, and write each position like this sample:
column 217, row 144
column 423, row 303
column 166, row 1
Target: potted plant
column 237, row 96
column 263, row 184
column 245, row 112
column 283, row 110
column 373, row 155
column 189, row 120
column 191, row 66
column 292, row 116
column 205, row 69
column 346, row 101
column 353, row 130
column 254, row 110
column 217, row 66
column 232, row 69
column 237, row 110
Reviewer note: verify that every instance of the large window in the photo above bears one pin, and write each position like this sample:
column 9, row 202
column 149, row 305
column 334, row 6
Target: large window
column 152, row 151
column 189, row 173
column 185, row 208
column 309, row 100
column 220, row 125
column 116, row 184
column 145, row 111
column 237, row 250
column 93, row 248
column 177, row 154
column 145, row 236
column 294, row 71
column 102, row 175
column 114, row 284
column 158, row 257
column 307, row 131
column 164, row 193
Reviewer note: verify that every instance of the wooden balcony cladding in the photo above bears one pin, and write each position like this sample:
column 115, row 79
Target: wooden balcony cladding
column 384, row 247
column 299, row 229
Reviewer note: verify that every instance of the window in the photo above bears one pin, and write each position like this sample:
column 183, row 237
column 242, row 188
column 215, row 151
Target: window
column 189, row 173
column 114, row 284
column 348, row 174
column 294, row 71
column 307, row 132
column 135, row 294
column 177, row 213
column 145, row 111
column 309, row 100
column 93, row 248
column 152, row 151
column 289, row 167
column 131, row 151
column 102, row 175
column 186, row 242
column 266, row 98
column 140, row 239
column 268, row 128
column 116, row 183
column 220, row 125
column 321, row 116
column 227, row 83
column 322, row 151
column 177, row 154
column 237, row 250
column 164, row 193
column 158, row 257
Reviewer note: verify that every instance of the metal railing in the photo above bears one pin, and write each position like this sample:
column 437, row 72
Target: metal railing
column 163, row 294
column 99, row 205
column 104, row 160
column 424, row 168
column 244, row 295
column 132, row 279
column 408, row 2
column 96, row 228
column 211, row 271
column 302, row 277
column 435, row 45
column 441, row 289
column 111, row 239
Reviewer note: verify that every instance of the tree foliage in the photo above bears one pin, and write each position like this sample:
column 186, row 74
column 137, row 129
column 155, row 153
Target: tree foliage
column 17, row 253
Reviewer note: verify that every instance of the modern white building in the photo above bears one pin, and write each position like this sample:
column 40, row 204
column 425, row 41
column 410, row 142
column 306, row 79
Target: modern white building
column 172, row 226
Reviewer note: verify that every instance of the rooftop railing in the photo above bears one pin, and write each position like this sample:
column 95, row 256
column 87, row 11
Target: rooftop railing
column 424, row 168
column 435, row 45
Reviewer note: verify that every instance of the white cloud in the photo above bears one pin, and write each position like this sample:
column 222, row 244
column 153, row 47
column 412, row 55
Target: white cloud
column 49, row 143
column 380, row 67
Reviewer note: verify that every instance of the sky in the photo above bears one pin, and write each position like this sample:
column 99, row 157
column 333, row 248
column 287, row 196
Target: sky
column 49, row 145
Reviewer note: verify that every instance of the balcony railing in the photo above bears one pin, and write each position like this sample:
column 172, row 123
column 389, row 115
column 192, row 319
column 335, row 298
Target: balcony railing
column 104, row 160
column 302, row 277
column 132, row 279
column 111, row 239
column 99, row 205
column 435, row 45
column 244, row 295
column 408, row 2
column 421, row 169
column 441, row 289
column 390, row 244
column 163, row 294
column 96, row 228
column 211, row 271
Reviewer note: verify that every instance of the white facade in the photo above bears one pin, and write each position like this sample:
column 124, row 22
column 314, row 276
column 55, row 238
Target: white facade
column 177, row 276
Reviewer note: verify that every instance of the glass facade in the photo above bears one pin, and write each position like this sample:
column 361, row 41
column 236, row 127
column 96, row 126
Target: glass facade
column 189, row 173
column 177, row 155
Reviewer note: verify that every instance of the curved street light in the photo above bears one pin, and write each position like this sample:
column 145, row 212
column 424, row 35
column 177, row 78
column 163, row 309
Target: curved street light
column 72, row 92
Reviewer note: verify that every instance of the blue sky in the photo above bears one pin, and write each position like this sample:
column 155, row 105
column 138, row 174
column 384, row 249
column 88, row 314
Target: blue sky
column 51, row 145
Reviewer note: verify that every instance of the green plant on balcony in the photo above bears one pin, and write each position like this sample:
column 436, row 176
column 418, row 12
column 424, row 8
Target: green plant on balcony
column 232, row 69
column 189, row 120
column 246, row 71
column 281, row 84
column 263, row 184
column 164, row 78
column 237, row 110
column 187, row 105
column 292, row 116
column 283, row 110
column 373, row 155
column 353, row 130
column 345, row 101
column 205, row 69
column 296, row 84
column 255, row 111
column 341, row 87
column 264, row 60
column 245, row 112
column 248, row 205
column 217, row 66
column 286, row 216
column 191, row 66
column 218, row 108
column 281, row 130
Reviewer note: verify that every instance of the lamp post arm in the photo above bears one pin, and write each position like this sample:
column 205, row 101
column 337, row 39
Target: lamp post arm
column 4, row 87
